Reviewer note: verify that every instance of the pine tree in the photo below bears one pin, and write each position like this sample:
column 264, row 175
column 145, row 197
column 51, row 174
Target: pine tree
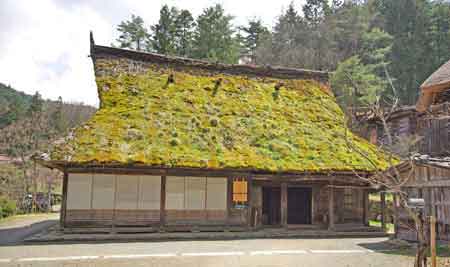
column 289, row 34
column 184, row 33
column 56, row 118
column 255, row 34
column 214, row 36
column 36, row 105
column 406, row 21
column 315, row 11
column 163, row 40
column 133, row 34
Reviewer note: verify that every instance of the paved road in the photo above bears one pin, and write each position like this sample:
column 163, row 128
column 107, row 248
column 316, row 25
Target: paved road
column 257, row 252
column 15, row 230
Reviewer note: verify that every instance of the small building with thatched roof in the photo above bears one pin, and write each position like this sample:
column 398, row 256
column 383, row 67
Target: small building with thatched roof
column 435, row 89
column 186, row 144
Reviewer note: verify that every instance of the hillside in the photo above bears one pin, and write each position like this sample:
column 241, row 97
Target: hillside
column 12, row 103
column 15, row 104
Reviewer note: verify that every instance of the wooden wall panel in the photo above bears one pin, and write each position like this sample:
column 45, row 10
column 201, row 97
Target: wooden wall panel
column 79, row 191
column 195, row 193
column 216, row 194
column 149, row 192
column 103, row 191
column 127, row 192
column 175, row 187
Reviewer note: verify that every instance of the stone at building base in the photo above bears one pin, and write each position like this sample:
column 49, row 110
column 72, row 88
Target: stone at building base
column 56, row 235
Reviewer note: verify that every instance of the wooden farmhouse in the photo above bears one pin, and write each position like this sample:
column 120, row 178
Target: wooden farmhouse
column 182, row 144
column 427, row 172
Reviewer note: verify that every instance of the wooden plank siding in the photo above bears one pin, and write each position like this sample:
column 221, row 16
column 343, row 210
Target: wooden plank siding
column 246, row 216
column 437, row 200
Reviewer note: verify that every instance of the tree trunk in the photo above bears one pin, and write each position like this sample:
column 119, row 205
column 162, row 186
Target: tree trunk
column 421, row 258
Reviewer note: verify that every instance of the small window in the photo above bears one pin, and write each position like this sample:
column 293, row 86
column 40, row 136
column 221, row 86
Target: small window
column 240, row 192
column 348, row 198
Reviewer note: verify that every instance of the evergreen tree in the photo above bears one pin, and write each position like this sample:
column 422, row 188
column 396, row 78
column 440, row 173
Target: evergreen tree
column 184, row 33
column 289, row 34
column 214, row 36
column 315, row 11
column 57, row 119
column 133, row 34
column 355, row 84
column 163, row 40
column 255, row 34
column 36, row 105
column 406, row 21
column 439, row 34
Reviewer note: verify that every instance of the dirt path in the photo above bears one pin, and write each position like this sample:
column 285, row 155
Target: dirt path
column 15, row 229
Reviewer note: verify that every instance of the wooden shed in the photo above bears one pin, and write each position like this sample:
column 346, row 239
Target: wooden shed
column 428, row 178
column 182, row 144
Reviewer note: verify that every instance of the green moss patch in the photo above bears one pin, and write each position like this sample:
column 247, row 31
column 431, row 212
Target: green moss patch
column 196, row 121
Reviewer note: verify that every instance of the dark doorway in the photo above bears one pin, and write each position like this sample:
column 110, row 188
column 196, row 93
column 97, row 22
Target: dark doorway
column 271, row 206
column 299, row 205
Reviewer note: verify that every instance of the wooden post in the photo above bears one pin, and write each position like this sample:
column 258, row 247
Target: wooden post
column 162, row 207
column 383, row 210
column 365, row 207
column 433, row 240
column 62, row 212
column 229, row 199
column 396, row 220
column 330, row 208
column 284, row 204
column 250, row 202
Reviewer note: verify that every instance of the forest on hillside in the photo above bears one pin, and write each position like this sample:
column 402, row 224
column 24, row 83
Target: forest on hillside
column 29, row 125
column 374, row 47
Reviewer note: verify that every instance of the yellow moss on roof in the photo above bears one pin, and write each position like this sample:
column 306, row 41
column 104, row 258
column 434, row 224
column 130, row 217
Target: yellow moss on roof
column 197, row 121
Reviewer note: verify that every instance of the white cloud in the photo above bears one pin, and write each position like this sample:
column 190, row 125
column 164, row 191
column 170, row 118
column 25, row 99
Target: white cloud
column 44, row 44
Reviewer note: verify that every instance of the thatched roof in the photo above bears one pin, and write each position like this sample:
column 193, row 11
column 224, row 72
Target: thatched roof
column 437, row 82
column 181, row 113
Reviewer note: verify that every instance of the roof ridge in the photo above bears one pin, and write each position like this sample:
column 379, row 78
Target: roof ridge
column 233, row 69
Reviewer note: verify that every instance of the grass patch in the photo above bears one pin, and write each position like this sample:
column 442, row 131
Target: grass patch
column 389, row 226
column 23, row 216
column 377, row 198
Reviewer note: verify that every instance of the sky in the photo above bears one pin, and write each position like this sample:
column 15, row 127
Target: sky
column 44, row 45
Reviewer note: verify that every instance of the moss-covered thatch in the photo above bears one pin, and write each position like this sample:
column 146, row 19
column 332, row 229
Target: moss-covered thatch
column 162, row 116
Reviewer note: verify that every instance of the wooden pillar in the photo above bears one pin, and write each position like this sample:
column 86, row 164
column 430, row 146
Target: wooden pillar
column 433, row 240
column 383, row 210
column 162, row 207
column 62, row 212
column 365, row 194
column 330, row 208
column 284, row 209
column 249, row 202
column 229, row 199
column 396, row 207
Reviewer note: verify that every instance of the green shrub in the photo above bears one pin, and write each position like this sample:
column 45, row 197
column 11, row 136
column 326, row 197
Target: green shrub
column 7, row 207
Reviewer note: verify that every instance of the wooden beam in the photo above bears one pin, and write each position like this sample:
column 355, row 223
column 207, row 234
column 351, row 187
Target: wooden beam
column 162, row 208
column 331, row 208
column 284, row 207
column 350, row 187
column 383, row 210
column 62, row 216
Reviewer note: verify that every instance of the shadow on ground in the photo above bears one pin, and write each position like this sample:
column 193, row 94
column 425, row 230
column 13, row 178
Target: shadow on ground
column 398, row 247
column 16, row 235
